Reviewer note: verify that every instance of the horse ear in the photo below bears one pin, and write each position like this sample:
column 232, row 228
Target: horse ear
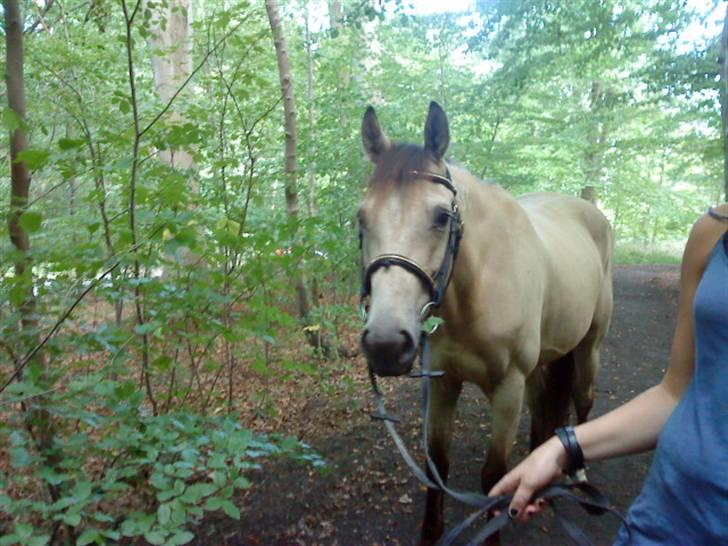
column 374, row 139
column 437, row 133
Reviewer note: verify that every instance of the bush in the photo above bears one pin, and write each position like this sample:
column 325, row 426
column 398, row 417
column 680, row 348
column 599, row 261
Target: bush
column 118, row 471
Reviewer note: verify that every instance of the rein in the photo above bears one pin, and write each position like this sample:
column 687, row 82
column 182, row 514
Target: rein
column 586, row 495
column 582, row 493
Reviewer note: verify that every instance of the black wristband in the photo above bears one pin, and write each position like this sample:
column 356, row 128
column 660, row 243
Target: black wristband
column 574, row 454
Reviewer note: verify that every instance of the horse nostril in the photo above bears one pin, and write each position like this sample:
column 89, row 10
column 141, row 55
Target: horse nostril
column 407, row 341
column 387, row 346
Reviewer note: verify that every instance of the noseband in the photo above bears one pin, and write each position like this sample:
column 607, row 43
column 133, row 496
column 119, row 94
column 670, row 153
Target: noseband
column 435, row 284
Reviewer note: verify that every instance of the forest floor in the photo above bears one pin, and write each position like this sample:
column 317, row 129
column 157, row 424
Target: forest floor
column 367, row 496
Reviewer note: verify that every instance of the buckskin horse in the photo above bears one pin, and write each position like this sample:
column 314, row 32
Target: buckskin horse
column 526, row 295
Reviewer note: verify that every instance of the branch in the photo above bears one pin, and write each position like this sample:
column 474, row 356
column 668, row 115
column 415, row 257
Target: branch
column 41, row 15
column 30, row 354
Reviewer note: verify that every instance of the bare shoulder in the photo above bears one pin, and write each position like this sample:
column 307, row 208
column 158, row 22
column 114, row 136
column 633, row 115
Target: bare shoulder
column 703, row 237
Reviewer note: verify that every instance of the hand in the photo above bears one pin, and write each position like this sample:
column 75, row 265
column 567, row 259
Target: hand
column 535, row 472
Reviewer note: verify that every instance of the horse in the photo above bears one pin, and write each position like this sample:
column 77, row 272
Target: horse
column 527, row 296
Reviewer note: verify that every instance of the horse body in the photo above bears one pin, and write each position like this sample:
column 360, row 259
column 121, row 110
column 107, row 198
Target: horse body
column 528, row 303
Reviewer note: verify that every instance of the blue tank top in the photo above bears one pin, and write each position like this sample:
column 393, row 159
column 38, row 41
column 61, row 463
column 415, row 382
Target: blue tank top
column 684, row 501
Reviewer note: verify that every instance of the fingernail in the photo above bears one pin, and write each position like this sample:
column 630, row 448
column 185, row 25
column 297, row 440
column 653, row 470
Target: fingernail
column 512, row 513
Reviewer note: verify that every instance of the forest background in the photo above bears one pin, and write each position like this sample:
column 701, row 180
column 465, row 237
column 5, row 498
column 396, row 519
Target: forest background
column 181, row 184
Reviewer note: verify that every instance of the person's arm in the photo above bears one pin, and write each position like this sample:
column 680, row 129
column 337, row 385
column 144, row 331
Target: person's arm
column 636, row 425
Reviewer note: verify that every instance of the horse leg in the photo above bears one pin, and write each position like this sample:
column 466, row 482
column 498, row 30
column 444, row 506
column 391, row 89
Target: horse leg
column 586, row 355
column 443, row 399
column 506, row 405
column 549, row 390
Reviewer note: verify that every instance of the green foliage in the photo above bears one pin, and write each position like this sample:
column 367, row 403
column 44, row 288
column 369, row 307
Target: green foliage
column 630, row 252
column 172, row 289
column 118, row 471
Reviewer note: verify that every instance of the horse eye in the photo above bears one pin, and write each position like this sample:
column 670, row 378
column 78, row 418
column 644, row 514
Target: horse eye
column 441, row 219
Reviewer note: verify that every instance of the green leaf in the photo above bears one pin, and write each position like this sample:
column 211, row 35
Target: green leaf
column 21, row 457
column 70, row 143
column 230, row 509
column 9, row 540
column 242, row 482
column 11, row 119
column 181, row 537
column 31, row 221
column 431, row 324
column 147, row 327
column 163, row 513
column 214, row 503
column 156, row 537
column 82, row 491
column 40, row 540
column 34, row 159
column 24, row 530
column 89, row 536
column 163, row 363
column 71, row 518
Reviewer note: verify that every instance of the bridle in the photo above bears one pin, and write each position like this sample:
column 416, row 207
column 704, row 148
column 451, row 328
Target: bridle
column 588, row 496
column 437, row 283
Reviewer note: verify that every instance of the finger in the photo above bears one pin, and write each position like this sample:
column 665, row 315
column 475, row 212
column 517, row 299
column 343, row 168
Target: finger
column 507, row 483
column 530, row 511
column 521, row 498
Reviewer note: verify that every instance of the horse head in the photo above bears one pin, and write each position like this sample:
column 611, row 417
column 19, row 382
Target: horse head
column 407, row 228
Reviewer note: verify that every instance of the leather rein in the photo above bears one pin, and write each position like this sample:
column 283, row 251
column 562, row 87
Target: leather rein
column 586, row 495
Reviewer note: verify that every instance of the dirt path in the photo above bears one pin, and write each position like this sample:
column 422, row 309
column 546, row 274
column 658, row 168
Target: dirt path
column 368, row 497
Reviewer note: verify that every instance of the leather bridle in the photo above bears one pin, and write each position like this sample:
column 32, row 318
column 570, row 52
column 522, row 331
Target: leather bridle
column 436, row 284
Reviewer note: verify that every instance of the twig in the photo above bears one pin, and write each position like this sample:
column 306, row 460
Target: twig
column 189, row 78
column 30, row 354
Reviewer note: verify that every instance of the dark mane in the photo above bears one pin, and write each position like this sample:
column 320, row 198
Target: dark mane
column 397, row 163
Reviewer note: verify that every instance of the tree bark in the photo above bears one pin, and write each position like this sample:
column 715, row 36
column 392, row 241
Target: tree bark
column 313, row 334
column 171, row 47
column 38, row 419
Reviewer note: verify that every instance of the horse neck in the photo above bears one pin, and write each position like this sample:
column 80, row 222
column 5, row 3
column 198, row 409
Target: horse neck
column 489, row 214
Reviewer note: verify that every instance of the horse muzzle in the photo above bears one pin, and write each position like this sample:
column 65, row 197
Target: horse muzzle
column 389, row 353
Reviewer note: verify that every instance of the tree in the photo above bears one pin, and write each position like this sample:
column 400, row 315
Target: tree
column 313, row 332
column 21, row 221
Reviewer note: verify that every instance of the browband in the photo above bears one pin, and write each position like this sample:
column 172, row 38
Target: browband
column 438, row 179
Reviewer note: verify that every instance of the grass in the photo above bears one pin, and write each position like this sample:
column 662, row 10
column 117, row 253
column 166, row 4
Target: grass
column 638, row 252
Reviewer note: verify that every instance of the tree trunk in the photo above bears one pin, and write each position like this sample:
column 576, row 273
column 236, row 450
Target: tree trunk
column 724, row 101
column 313, row 333
column 39, row 421
column 336, row 15
column 289, row 112
column 171, row 47
column 311, row 120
